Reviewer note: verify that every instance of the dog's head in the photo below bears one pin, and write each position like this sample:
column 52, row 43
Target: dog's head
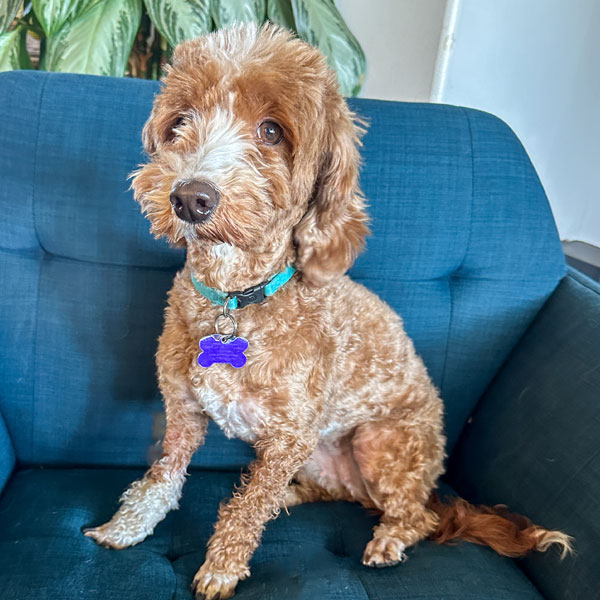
column 252, row 145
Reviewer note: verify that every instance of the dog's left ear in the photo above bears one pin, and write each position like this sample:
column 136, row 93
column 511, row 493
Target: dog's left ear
column 333, row 230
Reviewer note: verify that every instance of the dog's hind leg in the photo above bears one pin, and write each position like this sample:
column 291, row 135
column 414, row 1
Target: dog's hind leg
column 330, row 474
column 399, row 464
column 304, row 489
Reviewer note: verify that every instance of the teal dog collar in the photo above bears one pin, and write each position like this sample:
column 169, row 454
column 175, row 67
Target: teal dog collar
column 252, row 295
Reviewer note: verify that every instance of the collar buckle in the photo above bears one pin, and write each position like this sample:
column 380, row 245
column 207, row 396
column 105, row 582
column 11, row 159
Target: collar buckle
column 252, row 295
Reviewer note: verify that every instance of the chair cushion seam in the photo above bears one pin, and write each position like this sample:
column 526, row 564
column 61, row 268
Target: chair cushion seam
column 35, row 161
column 39, row 282
column 464, row 258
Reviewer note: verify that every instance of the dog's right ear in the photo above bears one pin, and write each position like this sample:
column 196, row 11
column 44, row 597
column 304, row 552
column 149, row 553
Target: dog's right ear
column 149, row 137
column 159, row 128
column 160, row 120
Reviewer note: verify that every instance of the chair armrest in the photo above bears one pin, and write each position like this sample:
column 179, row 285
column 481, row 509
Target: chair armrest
column 7, row 454
column 533, row 442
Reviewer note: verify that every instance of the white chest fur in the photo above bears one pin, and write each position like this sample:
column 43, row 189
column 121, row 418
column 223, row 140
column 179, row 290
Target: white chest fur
column 241, row 418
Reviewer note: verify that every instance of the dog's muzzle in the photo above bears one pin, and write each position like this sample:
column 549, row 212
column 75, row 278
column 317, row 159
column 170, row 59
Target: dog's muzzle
column 194, row 201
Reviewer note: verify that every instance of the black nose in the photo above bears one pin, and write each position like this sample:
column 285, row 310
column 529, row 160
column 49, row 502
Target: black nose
column 194, row 201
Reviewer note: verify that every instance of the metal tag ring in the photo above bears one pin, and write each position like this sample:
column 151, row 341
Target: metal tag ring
column 231, row 319
column 226, row 309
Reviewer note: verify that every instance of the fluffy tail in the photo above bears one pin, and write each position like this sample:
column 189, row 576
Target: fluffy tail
column 506, row 533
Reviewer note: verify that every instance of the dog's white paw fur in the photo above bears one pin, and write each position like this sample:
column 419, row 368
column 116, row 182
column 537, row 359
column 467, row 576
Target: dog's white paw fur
column 384, row 552
column 144, row 505
column 116, row 534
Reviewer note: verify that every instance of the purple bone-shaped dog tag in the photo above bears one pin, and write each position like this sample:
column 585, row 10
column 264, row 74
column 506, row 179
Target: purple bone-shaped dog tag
column 215, row 350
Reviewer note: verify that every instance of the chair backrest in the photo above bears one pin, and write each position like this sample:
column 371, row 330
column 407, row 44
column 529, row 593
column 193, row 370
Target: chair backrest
column 464, row 247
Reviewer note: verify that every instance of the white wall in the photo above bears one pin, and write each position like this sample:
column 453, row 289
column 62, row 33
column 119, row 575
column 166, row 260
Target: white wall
column 400, row 39
column 535, row 64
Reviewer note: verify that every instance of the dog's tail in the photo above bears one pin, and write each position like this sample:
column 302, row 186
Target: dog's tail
column 507, row 533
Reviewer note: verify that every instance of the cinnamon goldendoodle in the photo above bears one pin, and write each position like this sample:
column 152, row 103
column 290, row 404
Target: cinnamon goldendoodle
column 253, row 168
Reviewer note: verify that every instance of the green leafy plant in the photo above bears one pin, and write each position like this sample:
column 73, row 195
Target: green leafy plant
column 136, row 37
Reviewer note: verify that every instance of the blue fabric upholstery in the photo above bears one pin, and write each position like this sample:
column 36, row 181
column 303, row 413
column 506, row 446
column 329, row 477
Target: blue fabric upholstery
column 312, row 554
column 463, row 246
column 538, row 425
column 7, row 454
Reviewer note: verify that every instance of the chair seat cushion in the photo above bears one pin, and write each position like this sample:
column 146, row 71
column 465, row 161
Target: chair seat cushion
column 312, row 553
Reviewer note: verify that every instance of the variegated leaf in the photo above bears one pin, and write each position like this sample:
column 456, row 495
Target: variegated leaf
column 13, row 53
column 179, row 20
column 52, row 14
column 98, row 41
column 280, row 12
column 228, row 12
column 320, row 24
column 80, row 6
column 8, row 12
column 9, row 50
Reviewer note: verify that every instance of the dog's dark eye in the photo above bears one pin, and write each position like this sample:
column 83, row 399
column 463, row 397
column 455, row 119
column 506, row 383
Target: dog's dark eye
column 172, row 133
column 178, row 123
column 270, row 133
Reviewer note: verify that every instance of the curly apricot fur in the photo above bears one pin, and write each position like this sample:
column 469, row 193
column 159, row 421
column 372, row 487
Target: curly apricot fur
column 333, row 396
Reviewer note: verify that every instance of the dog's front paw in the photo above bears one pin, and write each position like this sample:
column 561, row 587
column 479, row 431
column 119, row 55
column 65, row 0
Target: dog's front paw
column 212, row 584
column 384, row 552
column 114, row 535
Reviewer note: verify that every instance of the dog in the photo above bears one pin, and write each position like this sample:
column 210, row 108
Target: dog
column 254, row 160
